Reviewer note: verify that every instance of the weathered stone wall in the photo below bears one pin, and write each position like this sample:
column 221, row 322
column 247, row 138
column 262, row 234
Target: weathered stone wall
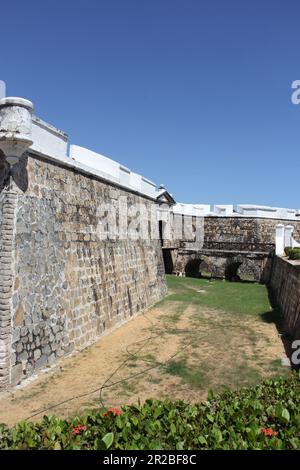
column 231, row 245
column 68, row 287
column 7, row 229
column 183, row 231
column 244, row 229
column 252, row 233
column 221, row 265
column 285, row 285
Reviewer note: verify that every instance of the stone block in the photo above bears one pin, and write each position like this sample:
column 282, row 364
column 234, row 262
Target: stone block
column 16, row 374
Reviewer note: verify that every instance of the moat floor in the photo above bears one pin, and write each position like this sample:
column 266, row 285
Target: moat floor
column 204, row 335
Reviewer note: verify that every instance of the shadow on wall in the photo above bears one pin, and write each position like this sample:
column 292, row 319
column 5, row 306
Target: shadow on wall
column 168, row 261
column 276, row 317
column 198, row 268
column 234, row 270
column 4, row 171
column 192, row 268
column 231, row 271
column 244, row 269
column 18, row 173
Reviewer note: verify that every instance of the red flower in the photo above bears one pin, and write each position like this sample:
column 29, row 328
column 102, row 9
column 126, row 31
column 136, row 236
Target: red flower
column 269, row 432
column 114, row 411
column 78, row 429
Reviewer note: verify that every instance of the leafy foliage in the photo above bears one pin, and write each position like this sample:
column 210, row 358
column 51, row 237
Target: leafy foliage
column 294, row 253
column 288, row 250
column 266, row 416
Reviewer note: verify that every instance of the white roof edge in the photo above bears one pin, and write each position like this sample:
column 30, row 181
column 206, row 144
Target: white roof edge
column 69, row 162
column 148, row 181
column 238, row 210
column 112, row 168
column 260, row 207
column 124, row 168
column 119, row 178
column 49, row 127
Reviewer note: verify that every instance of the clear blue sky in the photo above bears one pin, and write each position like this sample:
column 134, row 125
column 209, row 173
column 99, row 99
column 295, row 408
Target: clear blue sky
column 194, row 94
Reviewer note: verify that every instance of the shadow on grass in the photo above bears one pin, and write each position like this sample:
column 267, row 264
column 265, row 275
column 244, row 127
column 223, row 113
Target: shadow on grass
column 273, row 316
column 237, row 279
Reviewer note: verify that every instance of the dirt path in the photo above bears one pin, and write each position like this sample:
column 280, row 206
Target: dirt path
column 184, row 349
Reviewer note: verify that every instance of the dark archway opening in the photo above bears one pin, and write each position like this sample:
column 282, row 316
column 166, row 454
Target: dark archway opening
column 192, row 268
column 168, row 261
column 231, row 271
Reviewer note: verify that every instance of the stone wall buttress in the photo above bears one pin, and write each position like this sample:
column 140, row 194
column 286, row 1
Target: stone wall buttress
column 8, row 202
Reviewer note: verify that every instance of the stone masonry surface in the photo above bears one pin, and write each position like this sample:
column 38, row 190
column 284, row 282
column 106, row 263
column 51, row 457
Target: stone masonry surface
column 68, row 286
column 61, row 287
column 285, row 285
column 8, row 198
column 244, row 230
column 229, row 230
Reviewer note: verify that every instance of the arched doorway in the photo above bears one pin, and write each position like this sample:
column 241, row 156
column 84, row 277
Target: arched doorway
column 192, row 268
column 231, row 271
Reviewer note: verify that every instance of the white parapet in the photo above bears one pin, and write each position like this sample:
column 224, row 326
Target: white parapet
column 284, row 238
column 198, row 210
column 222, row 209
column 248, row 210
column 47, row 139
column 2, row 89
column 19, row 130
column 280, row 238
column 203, row 209
column 113, row 171
column 288, row 235
column 95, row 160
column 136, row 181
column 148, row 187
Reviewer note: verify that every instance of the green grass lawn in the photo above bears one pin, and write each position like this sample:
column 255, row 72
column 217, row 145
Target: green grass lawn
column 233, row 297
column 229, row 343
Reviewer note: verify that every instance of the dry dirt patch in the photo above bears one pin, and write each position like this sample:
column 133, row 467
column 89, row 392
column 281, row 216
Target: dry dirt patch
column 176, row 350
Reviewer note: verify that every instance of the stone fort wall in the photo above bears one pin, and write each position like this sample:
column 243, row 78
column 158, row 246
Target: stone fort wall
column 61, row 287
column 227, row 241
column 222, row 232
column 285, row 284
column 250, row 230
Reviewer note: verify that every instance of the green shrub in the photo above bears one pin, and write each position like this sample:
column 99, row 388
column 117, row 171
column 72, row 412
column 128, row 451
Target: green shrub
column 263, row 417
column 294, row 253
column 287, row 250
